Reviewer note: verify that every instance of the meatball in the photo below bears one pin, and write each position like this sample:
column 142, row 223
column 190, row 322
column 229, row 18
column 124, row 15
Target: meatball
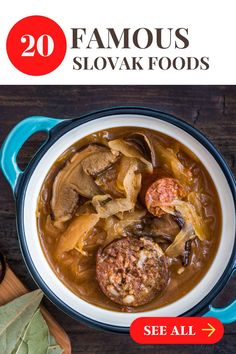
column 162, row 192
column 132, row 271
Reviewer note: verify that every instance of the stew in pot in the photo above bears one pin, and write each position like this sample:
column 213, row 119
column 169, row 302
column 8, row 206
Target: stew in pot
column 129, row 219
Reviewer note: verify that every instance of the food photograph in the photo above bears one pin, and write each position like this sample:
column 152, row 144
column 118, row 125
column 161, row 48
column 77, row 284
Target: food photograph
column 116, row 202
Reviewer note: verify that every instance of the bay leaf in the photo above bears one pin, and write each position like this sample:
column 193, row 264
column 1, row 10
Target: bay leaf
column 56, row 349
column 14, row 317
column 52, row 340
column 35, row 339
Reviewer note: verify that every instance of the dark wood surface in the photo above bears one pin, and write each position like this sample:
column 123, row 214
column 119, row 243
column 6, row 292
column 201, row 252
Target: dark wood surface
column 212, row 109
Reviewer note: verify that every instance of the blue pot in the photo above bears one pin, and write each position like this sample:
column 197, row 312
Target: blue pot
column 59, row 131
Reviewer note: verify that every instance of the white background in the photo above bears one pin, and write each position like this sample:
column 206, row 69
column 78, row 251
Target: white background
column 212, row 33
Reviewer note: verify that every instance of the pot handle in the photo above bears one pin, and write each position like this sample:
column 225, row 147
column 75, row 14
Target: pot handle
column 225, row 314
column 16, row 139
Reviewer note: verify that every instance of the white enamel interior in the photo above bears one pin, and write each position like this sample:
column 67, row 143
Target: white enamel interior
column 69, row 298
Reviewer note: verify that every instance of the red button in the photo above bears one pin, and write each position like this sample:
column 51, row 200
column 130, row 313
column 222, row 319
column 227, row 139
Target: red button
column 36, row 45
column 176, row 330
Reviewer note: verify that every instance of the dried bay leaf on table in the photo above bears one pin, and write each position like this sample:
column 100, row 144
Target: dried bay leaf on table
column 56, row 349
column 14, row 318
column 35, row 339
column 52, row 341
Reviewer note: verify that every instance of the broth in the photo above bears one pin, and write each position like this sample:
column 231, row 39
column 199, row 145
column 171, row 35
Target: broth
column 78, row 271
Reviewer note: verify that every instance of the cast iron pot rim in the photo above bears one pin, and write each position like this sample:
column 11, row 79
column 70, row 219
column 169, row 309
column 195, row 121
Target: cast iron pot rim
column 59, row 131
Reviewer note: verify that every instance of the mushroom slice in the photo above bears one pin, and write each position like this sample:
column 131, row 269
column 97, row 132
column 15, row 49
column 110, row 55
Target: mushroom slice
column 129, row 150
column 177, row 247
column 106, row 206
column 100, row 161
column 107, row 180
column 76, row 179
column 145, row 143
column 190, row 216
column 165, row 227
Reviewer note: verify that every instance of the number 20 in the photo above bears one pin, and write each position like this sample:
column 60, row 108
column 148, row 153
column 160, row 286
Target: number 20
column 44, row 45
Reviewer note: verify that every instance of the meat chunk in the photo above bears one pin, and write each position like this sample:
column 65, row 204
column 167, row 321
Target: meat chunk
column 161, row 193
column 76, row 178
column 132, row 271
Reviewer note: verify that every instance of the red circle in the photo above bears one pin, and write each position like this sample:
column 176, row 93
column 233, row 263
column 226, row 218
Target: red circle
column 36, row 45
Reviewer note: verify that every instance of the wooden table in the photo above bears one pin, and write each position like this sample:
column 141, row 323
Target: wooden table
column 212, row 109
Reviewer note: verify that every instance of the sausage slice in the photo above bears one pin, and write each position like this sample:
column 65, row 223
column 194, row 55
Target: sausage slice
column 162, row 192
column 132, row 271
